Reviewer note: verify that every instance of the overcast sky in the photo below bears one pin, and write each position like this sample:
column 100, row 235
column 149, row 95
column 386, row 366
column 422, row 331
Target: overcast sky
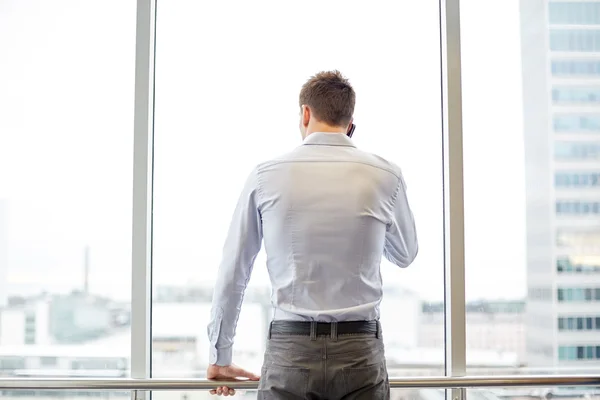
column 228, row 75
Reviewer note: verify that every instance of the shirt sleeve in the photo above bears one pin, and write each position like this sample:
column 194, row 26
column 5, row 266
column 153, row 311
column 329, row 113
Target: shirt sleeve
column 401, row 246
column 242, row 245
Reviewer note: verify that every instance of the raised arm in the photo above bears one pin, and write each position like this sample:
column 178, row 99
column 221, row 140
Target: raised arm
column 401, row 246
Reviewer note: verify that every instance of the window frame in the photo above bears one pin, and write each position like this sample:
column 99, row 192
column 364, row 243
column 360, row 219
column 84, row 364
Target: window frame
column 142, row 197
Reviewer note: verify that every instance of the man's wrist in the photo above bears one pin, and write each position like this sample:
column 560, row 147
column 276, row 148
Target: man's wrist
column 220, row 357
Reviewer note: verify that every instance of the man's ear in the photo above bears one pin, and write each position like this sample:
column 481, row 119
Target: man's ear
column 306, row 114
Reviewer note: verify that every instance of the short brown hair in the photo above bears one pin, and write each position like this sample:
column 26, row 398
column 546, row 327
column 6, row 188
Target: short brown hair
column 330, row 97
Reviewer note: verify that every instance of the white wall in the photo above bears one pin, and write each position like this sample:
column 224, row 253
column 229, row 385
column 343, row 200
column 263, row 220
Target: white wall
column 42, row 323
column 12, row 327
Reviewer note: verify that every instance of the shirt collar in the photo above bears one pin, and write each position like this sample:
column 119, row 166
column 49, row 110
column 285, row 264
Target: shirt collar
column 328, row 139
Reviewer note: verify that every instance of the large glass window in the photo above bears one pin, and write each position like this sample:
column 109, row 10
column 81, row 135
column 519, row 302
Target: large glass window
column 228, row 76
column 528, row 224
column 494, row 190
column 66, row 95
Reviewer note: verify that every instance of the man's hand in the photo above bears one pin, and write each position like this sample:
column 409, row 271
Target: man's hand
column 227, row 373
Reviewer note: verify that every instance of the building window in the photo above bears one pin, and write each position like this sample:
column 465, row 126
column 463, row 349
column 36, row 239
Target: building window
column 589, row 295
column 575, row 95
column 568, row 295
column 577, row 179
column 30, row 328
column 589, row 352
column 576, row 123
column 578, row 323
column 577, row 207
column 571, row 352
column 542, row 294
column 576, row 151
column 11, row 363
column 575, row 13
column 562, row 353
column 577, row 265
column 48, row 361
column 575, row 40
column 584, row 243
column 575, row 68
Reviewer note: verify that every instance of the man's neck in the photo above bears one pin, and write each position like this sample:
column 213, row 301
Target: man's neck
column 325, row 129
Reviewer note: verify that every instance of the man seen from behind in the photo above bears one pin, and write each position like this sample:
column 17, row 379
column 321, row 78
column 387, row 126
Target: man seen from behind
column 327, row 213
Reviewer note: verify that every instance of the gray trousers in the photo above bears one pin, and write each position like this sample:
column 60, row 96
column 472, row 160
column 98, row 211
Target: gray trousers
column 349, row 367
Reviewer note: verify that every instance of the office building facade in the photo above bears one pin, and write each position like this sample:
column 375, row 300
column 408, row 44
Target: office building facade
column 561, row 113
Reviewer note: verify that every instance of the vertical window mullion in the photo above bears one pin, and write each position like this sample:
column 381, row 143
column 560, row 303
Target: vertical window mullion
column 141, row 293
column 454, row 252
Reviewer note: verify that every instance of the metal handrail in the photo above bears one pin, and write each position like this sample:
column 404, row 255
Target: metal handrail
column 203, row 384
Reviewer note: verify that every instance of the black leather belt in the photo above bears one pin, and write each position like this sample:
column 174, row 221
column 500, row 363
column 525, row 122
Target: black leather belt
column 302, row 328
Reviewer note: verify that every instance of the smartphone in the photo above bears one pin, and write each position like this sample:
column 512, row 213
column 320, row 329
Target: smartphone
column 351, row 130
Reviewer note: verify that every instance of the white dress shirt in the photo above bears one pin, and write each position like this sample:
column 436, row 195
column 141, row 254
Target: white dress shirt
column 327, row 212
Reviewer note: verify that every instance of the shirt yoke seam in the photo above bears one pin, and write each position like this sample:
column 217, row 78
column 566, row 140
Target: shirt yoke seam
column 389, row 170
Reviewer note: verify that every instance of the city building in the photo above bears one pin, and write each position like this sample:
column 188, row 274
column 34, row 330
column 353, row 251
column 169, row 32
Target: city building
column 55, row 319
column 79, row 318
column 180, row 344
column 25, row 322
column 494, row 328
column 561, row 109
